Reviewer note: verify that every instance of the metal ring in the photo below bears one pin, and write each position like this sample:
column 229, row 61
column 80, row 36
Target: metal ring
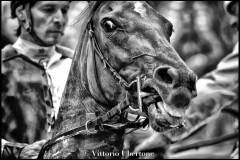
column 86, row 127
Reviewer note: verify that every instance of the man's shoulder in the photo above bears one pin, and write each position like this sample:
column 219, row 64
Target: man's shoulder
column 65, row 51
column 8, row 52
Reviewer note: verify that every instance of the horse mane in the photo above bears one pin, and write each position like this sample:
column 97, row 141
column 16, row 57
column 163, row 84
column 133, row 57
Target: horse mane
column 76, row 90
column 84, row 45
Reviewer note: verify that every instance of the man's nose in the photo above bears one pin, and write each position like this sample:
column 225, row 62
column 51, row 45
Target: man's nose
column 59, row 17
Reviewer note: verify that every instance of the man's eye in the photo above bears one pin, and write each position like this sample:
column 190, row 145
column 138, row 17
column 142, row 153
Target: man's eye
column 49, row 9
column 65, row 10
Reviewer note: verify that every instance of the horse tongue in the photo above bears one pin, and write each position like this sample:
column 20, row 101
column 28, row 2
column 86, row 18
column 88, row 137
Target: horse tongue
column 155, row 113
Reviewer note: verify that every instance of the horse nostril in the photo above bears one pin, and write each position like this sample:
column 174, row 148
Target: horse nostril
column 180, row 101
column 180, row 98
column 166, row 74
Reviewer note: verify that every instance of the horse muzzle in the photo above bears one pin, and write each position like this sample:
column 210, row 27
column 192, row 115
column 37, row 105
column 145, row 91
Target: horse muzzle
column 166, row 113
column 161, row 101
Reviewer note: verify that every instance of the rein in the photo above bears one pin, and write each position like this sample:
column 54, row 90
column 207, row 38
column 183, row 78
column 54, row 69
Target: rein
column 99, row 124
column 92, row 126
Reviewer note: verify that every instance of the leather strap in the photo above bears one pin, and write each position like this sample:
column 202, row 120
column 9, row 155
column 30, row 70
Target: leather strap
column 96, row 125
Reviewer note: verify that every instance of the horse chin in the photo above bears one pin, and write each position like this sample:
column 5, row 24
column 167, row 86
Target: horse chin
column 163, row 119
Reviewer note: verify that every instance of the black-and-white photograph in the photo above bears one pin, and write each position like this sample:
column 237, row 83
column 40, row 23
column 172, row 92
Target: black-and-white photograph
column 119, row 79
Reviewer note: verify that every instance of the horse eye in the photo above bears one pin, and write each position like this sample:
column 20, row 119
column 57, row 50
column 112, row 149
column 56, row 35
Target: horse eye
column 109, row 26
column 170, row 30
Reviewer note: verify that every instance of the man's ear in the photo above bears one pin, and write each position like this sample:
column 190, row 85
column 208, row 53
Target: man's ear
column 20, row 12
column 22, row 17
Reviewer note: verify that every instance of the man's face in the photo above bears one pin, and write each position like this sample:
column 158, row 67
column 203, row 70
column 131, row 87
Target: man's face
column 49, row 19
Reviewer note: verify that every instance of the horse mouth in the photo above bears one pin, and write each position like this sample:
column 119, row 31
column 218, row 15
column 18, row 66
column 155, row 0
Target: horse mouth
column 161, row 119
column 161, row 116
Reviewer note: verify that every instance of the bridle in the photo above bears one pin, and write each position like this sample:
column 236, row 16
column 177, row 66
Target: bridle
column 120, row 80
column 99, row 123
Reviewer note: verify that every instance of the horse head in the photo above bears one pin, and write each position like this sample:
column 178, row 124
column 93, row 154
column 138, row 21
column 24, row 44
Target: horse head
column 135, row 40
column 124, row 49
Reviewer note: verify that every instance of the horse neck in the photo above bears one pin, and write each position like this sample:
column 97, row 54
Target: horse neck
column 76, row 102
column 74, row 114
column 77, row 99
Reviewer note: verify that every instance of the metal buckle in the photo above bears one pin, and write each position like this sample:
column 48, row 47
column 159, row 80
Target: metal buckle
column 86, row 127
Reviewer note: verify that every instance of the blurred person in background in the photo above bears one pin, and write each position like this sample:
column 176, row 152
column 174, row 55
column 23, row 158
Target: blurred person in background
column 34, row 73
column 210, row 21
column 219, row 88
column 216, row 89
column 201, row 34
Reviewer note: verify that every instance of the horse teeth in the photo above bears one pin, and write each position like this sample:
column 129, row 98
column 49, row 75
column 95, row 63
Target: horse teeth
column 174, row 126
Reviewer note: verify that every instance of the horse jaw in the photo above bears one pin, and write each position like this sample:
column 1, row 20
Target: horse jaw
column 102, row 85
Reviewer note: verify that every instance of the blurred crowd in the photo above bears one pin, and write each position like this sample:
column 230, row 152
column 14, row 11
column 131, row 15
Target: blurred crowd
column 201, row 35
